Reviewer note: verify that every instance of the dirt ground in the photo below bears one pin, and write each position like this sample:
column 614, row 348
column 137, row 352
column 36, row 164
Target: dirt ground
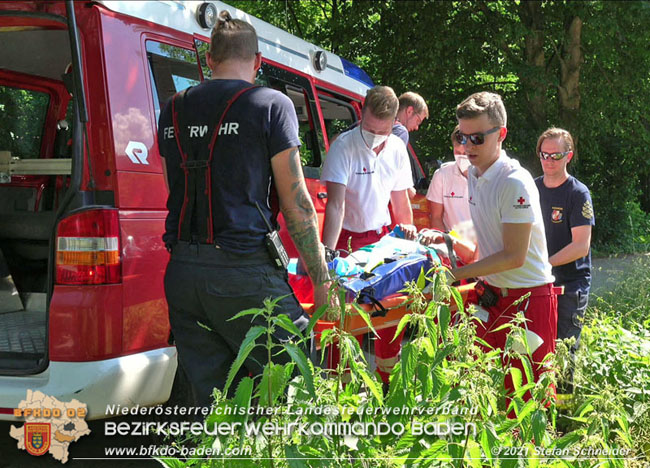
column 609, row 271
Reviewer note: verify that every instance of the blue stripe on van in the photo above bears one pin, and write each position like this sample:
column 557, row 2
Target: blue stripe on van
column 338, row 70
column 280, row 46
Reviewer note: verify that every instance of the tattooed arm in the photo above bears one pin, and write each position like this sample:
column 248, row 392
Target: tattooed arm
column 300, row 216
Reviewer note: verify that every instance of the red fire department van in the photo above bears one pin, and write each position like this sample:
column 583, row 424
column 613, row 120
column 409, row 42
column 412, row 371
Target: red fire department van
column 82, row 195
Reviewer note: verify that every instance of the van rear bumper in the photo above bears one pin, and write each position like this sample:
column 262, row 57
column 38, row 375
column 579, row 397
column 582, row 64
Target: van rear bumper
column 143, row 379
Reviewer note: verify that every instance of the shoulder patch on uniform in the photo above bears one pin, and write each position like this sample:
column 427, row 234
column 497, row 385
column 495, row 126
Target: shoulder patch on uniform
column 587, row 210
column 521, row 204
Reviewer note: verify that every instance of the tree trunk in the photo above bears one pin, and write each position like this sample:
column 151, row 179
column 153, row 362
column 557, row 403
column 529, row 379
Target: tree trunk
column 569, row 87
column 534, row 83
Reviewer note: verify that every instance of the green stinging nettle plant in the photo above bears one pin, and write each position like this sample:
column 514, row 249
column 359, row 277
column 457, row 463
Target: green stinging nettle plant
column 446, row 404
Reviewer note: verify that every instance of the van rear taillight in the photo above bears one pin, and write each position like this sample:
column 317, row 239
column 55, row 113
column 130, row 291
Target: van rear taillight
column 88, row 248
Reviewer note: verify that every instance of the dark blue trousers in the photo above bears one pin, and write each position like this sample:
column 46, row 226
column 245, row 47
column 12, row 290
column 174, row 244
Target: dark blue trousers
column 571, row 308
column 205, row 286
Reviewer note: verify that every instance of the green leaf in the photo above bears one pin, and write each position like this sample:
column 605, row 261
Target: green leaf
column 528, row 369
column 364, row 315
column 444, row 316
column 242, row 399
column 372, row 384
column 402, row 323
column 409, row 360
column 585, row 408
column 324, row 337
column 295, row 459
column 243, row 393
column 172, row 462
column 433, row 332
column 244, row 350
column 316, row 316
column 473, row 454
column 283, row 321
column 538, row 424
column 301, row 361
column 442, row 354
column 488, row 440
column 274, row 376
column 407, row 440
column 528, row 408
column 425, row 378
column 438, row 381
column 255, row 311
column 533, row 458
column 439, row 450
column 421, row 281
column 505, row 326
column 516, row 377
column 458, row 299
column 567, row 440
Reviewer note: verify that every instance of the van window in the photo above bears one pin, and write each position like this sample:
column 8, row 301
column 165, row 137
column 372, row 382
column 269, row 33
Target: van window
column 22, row 118
column 338, row 114
column 299, row 90
column 172, row 69
column 202, row 47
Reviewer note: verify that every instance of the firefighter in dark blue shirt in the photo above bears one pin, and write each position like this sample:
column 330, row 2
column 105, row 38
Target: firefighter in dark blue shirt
column 230, row 149
column 568, row 219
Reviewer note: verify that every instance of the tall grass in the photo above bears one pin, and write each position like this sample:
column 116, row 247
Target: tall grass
column 445, row 377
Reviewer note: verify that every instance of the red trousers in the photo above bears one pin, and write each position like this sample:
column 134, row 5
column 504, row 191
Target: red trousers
column 540, row 310
column 386, row 352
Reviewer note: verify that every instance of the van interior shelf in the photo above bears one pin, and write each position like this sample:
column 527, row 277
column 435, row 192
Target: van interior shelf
column 14, row 166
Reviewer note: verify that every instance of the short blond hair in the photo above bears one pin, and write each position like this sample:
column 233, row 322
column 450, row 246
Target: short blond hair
column 382, row 102
column 414, row 100
column 483, row 103
column 554, row 133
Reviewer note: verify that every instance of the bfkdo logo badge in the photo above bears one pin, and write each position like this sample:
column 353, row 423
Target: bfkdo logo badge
column 50, row 425
column 37, row 438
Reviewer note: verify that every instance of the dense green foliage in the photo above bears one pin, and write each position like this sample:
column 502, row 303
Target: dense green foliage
column 613, row 362
column 582, row 66
column 445, row 377
column 22, row 116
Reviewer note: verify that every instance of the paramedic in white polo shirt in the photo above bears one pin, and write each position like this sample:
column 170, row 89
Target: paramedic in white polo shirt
column 512, row 258
column 366, row 168
column 447, row 194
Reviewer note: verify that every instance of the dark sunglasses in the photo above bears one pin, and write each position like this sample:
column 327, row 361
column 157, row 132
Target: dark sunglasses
column 553, row 156
column 475, row 138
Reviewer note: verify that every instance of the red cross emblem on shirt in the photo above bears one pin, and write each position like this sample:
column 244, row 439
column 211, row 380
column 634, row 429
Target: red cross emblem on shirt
column 521, row 200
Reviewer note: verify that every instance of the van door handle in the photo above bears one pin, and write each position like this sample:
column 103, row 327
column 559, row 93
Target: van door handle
column 322, row 195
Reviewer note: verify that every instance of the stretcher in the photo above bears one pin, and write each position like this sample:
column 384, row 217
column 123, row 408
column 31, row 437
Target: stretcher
column 396, row 306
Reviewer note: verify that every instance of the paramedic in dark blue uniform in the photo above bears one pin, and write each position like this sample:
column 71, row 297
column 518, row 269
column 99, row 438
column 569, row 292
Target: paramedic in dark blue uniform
column 568, row 219
column 227, row 147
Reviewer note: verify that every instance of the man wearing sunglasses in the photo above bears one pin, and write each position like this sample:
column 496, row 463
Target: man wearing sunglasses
column 568, row 219
column 511, row 260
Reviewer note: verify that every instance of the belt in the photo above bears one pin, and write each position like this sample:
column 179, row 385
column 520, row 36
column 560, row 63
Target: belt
column 357, row 235
column 544, row 290
column 215, row 255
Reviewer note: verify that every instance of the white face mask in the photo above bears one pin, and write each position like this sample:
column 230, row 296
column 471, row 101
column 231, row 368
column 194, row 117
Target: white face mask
column 372, row 139
column 462, row 162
